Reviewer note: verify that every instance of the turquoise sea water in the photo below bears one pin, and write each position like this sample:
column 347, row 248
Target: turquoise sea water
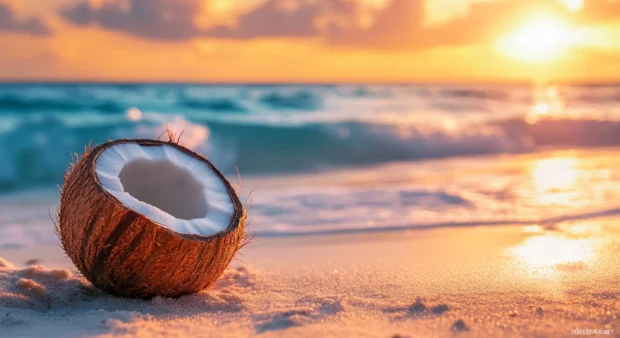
column 331, row 158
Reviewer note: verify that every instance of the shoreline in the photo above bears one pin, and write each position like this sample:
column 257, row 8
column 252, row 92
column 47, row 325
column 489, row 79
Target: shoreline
column 457, row 192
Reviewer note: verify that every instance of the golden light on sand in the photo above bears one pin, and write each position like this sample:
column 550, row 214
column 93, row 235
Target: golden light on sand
column 542, row 38
column 569, row 247
column 542, row 254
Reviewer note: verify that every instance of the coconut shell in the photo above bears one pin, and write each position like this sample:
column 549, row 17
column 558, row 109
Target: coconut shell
column 123, row 252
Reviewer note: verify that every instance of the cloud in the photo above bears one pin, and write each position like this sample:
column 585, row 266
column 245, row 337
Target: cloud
column 399, row 25
column 9, row 22
column 151, row 19
column 275, row 18
column 175, row 19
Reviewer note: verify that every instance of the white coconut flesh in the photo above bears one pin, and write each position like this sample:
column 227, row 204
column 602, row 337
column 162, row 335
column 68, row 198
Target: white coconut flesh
column 168, row 186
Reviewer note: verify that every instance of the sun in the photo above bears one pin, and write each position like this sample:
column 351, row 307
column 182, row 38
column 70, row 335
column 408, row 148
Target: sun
column 573, row 5
column 540, row 39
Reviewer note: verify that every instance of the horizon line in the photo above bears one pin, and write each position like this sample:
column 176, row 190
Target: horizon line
column 298, row 83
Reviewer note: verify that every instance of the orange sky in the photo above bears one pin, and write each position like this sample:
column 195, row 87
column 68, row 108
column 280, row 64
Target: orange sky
column 311, row 40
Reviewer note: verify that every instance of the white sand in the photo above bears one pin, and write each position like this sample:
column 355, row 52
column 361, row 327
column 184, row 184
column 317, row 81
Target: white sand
column 485, row 281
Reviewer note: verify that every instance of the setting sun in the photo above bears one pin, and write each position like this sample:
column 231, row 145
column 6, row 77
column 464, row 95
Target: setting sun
column 541, row 39
column 573, row 5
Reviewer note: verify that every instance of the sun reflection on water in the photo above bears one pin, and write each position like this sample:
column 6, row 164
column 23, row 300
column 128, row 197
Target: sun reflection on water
column 556, row 180
column 547, row 103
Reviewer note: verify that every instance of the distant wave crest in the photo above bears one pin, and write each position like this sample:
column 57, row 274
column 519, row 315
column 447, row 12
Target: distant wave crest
column 17, row 104
column 38, row 152
column 218, row 105
column 300, row 100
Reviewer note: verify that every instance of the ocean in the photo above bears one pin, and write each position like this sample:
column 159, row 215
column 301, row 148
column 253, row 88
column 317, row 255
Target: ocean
column 334, row 158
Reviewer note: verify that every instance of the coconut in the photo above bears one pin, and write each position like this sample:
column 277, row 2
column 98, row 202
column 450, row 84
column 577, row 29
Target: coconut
column 144, row 218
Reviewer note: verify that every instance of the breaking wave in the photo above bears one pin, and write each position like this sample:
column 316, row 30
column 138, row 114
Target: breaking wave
column 38, row 152
column 273, row 129
column 300, row 100
column 218, row 105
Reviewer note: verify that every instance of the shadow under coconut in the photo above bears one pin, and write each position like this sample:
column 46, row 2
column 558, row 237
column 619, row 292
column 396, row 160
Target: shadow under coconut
column 33, row 296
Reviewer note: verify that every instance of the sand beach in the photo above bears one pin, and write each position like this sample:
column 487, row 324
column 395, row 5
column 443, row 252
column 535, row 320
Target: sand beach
column 478, row 281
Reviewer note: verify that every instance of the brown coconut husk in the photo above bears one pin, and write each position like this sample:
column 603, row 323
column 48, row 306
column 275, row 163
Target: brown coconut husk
column 123, row 252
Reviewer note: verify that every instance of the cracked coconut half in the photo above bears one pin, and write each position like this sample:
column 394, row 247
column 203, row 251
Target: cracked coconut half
column 144, row 218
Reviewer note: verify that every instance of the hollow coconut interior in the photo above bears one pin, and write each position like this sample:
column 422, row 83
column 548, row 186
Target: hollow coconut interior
column 166, row 185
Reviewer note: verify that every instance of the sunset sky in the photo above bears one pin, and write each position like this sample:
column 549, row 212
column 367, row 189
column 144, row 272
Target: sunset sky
column 310, row 40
